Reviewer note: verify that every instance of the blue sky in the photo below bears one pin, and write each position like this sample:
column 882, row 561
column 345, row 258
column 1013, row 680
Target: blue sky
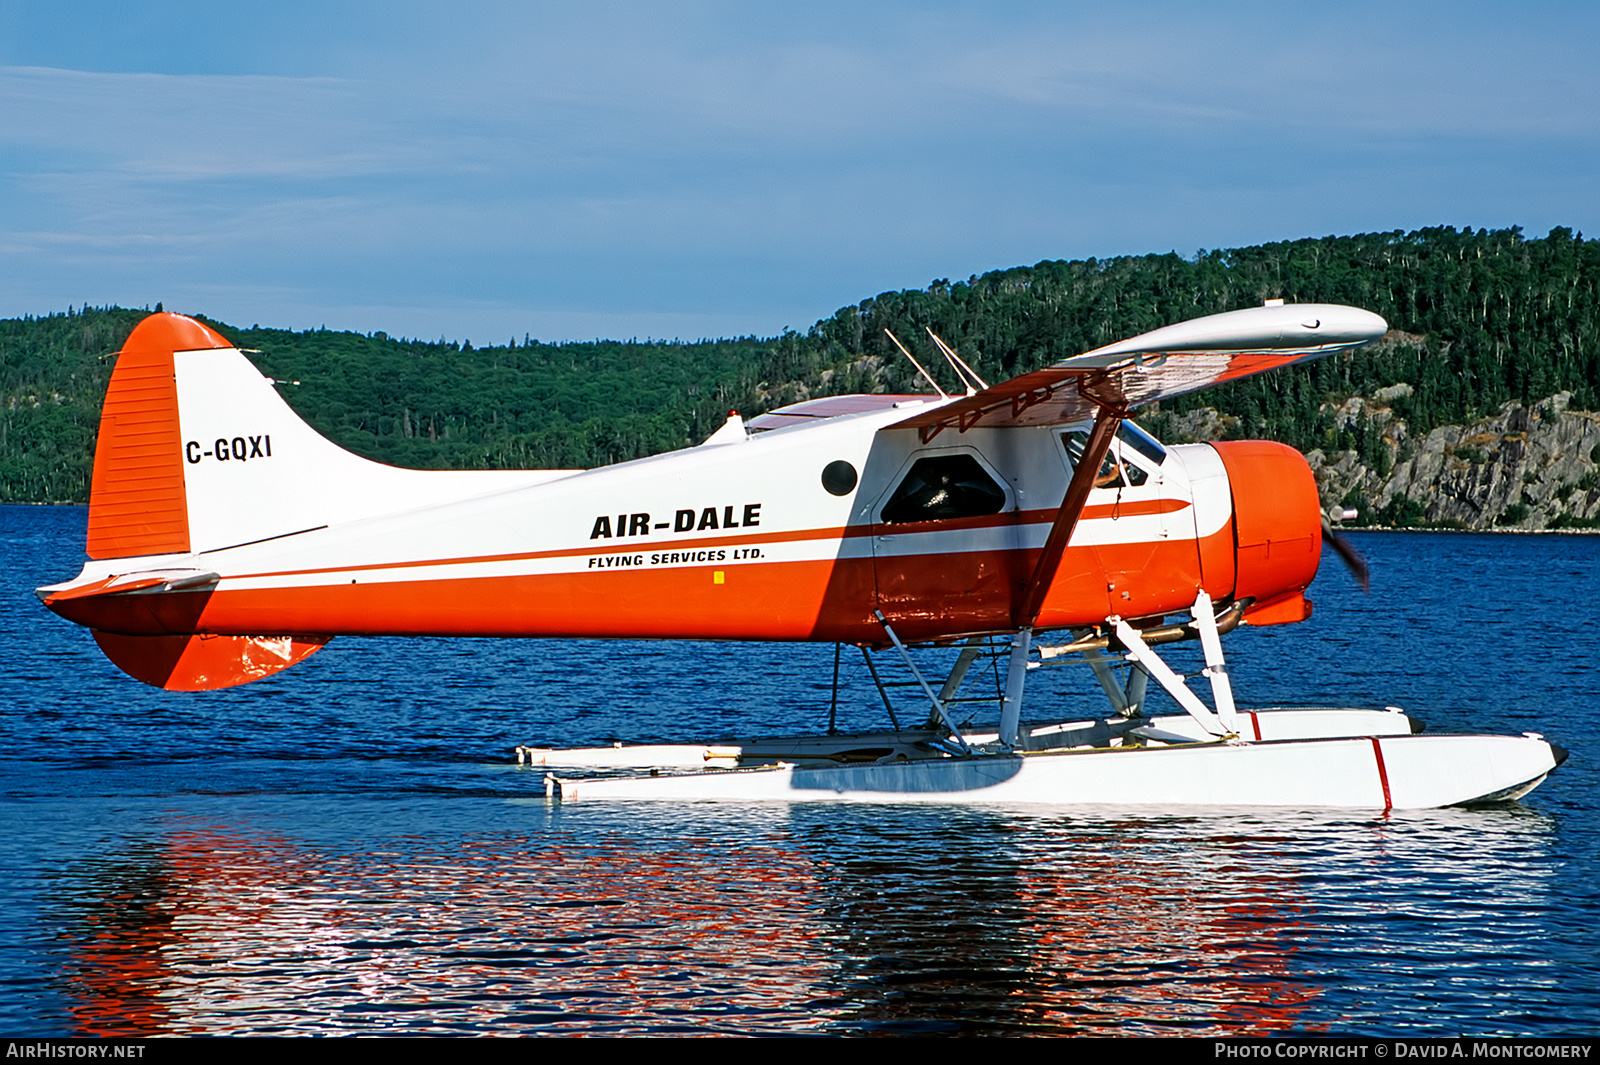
column 708, row 169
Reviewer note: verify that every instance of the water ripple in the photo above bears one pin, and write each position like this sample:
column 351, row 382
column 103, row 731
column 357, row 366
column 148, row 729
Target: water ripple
column 346, row 848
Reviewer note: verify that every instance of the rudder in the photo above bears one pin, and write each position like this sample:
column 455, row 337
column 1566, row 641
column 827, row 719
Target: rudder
column 138, row 504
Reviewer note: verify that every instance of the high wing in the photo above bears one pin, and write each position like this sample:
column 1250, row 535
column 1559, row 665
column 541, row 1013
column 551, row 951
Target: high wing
column 1167, row 362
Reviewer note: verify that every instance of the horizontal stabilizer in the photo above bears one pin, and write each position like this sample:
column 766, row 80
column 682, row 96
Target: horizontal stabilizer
column 1167, row 362
column 201, row 663
column 170, row 580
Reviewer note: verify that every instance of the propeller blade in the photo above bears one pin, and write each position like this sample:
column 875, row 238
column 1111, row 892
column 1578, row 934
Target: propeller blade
column 1348, row 554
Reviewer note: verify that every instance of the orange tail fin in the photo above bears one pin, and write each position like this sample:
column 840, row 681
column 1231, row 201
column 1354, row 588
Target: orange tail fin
column 139, row 507
column 137, row 502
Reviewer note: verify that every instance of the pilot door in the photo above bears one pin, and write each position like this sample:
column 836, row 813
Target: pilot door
column 1137, row 529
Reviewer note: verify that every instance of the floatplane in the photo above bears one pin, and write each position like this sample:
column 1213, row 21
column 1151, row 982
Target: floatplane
column 1014, row 523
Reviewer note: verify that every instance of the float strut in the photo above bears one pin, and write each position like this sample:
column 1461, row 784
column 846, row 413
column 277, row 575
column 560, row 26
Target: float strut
column 833, row 707
column 883, row 692
column 1133, row 691
column 958, row 673
column 1016, row 676
column 1140, row 652
column 1205, row 619
column 933, row 697
column 1101, row 663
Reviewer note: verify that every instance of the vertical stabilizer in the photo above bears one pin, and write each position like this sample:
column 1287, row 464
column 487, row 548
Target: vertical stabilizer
column 198, row 452
column 137, row 503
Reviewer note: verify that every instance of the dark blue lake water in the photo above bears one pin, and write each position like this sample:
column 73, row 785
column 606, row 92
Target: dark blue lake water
column 348, row 848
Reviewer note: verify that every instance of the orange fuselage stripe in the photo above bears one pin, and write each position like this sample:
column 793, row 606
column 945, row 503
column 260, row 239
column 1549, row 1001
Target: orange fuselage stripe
column 612, row 547
column 924, row 596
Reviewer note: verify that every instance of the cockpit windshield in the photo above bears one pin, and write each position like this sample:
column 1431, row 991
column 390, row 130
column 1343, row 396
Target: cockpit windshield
column 1142, row 442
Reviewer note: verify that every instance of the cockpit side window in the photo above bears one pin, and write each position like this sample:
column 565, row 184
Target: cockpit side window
column 944, row 486
column 1116, row 470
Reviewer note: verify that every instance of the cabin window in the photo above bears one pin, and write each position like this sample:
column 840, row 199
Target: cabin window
column 944, row 486
column 839, row 478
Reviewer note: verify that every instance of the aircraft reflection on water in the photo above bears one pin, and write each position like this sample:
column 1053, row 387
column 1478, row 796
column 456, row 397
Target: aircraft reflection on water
column 935, row 920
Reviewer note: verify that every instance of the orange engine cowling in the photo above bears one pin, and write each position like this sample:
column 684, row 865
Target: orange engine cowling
column 1277, row 522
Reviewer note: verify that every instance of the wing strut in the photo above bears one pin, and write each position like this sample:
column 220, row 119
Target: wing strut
column 1108, row 417
column 1106, row 420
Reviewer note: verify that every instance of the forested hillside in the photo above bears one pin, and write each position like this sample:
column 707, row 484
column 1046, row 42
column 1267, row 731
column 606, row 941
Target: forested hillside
column 1480, row 318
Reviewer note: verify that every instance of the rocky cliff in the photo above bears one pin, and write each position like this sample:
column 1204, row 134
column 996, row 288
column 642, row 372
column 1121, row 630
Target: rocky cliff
column 1526, row 467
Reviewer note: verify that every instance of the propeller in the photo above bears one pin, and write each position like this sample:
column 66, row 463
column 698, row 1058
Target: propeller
column 1344, row 549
